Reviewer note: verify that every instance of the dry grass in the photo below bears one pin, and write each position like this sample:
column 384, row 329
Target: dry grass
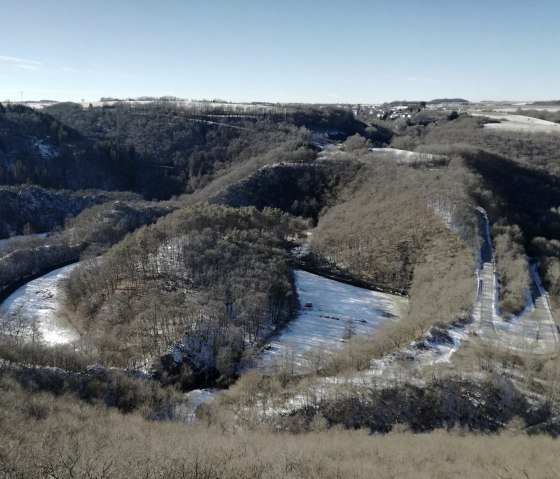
column 43, row 436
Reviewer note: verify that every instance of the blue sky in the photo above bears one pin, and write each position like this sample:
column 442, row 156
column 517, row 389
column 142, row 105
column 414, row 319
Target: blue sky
column 288, row 50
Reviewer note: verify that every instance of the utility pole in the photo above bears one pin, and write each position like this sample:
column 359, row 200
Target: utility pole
column 21, row 94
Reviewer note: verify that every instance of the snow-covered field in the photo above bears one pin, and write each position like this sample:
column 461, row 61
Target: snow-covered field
column 327, row 308
column 37, row 304
column 519, row 123
column 532, row 332
column 404, row 365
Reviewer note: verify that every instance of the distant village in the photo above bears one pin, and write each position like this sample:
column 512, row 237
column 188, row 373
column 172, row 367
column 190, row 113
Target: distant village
column 405, row 110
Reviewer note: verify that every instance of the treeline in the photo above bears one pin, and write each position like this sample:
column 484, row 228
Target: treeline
column 125, row 391
column 380, row 406
column 200, row 289
column 487, row 407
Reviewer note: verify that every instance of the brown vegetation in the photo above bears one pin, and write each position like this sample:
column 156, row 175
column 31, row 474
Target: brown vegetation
column 44, row 436
column 389, row 229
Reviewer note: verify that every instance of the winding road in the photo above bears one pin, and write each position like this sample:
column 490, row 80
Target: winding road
column 533, row 331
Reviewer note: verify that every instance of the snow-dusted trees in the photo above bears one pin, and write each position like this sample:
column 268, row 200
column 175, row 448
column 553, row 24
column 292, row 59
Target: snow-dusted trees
column 212, row 280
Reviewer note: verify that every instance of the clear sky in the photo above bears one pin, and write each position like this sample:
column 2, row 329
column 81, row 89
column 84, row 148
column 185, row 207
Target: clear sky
column 280, row 50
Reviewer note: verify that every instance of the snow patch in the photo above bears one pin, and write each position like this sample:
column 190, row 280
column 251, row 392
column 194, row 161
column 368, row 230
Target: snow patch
column 519, row 123
column 36, row 306
column 47, row 151
column 193, row 400
column 405, row 156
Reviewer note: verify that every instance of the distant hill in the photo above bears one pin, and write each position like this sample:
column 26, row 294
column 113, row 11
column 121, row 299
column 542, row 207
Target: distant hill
column 448, row 100
column 157, row 149
column 545, row 103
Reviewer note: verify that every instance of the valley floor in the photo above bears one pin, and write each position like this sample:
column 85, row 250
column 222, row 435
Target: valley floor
column 329, row 311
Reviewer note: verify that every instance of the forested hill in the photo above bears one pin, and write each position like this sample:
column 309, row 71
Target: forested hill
column 156, row 149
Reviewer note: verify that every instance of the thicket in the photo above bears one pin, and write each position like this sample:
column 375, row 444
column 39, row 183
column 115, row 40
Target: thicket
column 486, row 406
column 126, row 391
column 542, row 114
column 43, row 435
column 200, row 289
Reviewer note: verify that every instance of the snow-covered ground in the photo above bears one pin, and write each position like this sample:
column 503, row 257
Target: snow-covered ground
column 47, row 151
column 518, row 123
column 404, row 365
column 192, row 401
column 37, row 303
column 426, row 352
column 405, row 156
column 328, row 307
column 528, row 106
column 533, row 331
